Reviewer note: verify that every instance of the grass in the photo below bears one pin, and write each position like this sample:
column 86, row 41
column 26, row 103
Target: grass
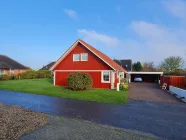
column 46, row 87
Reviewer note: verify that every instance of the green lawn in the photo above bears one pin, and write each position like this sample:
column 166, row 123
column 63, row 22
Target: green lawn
column 46, row 87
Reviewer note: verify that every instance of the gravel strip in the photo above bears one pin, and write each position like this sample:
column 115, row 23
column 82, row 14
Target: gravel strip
column 16, row 121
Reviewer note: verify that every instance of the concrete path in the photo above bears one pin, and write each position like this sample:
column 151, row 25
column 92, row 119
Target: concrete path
column 60, row 128
column 161, row 119
column 150, row 92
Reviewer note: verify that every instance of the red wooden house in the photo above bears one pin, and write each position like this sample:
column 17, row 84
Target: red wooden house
column 82, row 57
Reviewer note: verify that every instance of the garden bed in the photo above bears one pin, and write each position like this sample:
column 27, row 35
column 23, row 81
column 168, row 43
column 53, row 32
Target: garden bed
column 16, row 121
column 46, row 87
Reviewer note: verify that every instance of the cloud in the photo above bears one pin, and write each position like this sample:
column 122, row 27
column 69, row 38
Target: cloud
column 71, row 13
column 176, row 8
column 160, row 40
column 153, row 42
column 94, row 38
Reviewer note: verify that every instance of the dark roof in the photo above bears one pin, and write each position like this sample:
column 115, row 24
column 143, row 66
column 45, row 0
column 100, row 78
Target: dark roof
column 126, row 64
column 47, row 67
column 8, row 63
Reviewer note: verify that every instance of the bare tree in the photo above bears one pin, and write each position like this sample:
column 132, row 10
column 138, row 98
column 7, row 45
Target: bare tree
column 149, row 66
column 171, row 64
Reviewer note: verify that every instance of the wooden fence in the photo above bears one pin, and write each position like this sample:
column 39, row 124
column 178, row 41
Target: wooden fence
column 176, row 81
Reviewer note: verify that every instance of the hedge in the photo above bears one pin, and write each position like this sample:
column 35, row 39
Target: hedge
column 79, row 81
column 31, row 74
column 4, row 77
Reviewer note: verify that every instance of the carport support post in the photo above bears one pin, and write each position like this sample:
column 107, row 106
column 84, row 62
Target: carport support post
column 128, row 76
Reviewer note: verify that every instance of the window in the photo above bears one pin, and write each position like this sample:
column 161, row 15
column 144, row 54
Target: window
column 105, row 77
column 19, row 71
column 1, row 72
column 84, row 57
column 76, row 57
column 121, row 74
column 11, row 71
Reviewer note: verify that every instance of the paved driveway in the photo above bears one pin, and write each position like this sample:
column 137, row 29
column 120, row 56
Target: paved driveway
column 161, row 119
column 150, row 92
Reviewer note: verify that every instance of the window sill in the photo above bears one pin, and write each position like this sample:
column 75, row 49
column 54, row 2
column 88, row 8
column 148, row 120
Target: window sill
column 105, row 81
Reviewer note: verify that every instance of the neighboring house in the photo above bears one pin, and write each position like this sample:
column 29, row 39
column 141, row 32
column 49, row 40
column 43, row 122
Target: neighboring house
column 47, row 67
column 125, row 63
column 9, row 66
column 81, row 57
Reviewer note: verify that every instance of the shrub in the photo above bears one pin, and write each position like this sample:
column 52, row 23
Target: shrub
column 124, row 81
column 29, row 75
column 124, row 87
column 79, row 81
column 4, row 77
column 44, row 74
column 41, row 75
column 13, row 77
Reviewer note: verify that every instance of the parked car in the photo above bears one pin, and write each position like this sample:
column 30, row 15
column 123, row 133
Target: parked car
column 138, row 78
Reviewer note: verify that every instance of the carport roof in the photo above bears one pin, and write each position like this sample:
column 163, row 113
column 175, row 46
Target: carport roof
column 136, row 72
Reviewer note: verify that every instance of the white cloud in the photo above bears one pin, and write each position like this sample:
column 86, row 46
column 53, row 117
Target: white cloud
column 153, row 42
column 94, row 38
column 162, row 41
column 71, row 13
column 176, row 7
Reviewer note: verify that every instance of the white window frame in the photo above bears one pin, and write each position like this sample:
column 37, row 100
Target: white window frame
column 74, row 57
column 2, row 72
column 82, row 57
column 102, row 80
column 11, row 71
column 122, row 75
column 19, row 71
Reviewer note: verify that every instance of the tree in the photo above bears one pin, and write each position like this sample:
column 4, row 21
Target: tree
column 148, row 66
column 171, row 64
column 137, row 66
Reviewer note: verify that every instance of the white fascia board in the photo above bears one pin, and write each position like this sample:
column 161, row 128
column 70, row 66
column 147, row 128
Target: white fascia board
column 161, row 73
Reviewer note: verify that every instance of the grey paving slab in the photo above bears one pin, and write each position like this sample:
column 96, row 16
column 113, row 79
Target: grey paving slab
column 73, row 129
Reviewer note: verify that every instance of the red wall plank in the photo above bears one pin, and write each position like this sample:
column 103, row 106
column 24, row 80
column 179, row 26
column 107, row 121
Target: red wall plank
column 61, row 79
column 93, row 63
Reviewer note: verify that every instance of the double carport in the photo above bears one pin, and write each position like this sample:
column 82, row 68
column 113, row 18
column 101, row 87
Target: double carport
column 150, row 77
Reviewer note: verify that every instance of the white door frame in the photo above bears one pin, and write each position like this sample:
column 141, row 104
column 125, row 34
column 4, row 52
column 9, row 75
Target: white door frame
column 112, row 79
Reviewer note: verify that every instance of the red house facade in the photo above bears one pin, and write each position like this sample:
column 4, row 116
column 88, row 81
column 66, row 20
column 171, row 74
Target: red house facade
column 82, row 57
